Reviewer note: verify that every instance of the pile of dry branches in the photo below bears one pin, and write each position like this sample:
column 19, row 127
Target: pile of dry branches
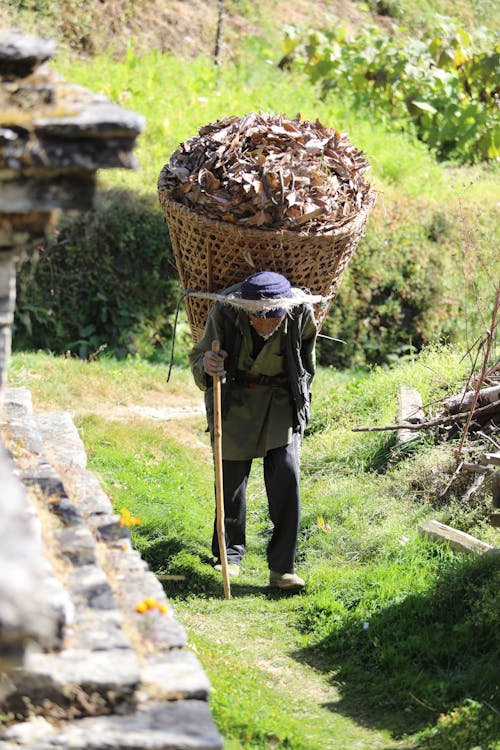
column 268, row 171
column 477, row 406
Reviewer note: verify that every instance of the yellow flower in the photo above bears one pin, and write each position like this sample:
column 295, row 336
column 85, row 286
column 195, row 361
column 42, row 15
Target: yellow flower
column 141, row 607
column 163, row 609
column 150, row 602
column 127, row 519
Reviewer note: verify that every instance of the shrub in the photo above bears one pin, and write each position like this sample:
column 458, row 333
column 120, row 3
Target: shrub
column 105, row 279
column 392, row 301
column 443, row 85
column 461, row 728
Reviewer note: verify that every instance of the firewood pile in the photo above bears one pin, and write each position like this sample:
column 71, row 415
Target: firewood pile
column 481, row 407
column 478, row 407
column 269, row 171
column 472, row 413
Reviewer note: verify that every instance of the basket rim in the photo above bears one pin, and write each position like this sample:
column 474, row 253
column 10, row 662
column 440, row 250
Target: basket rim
column 346, row 225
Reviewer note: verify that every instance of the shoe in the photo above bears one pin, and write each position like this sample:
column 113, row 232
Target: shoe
column 233, row 569
column 285, row 580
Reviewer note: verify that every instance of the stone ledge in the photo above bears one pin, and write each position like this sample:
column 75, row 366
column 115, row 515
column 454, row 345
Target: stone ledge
column 177, row 725
column 31, row 596
column 113, row 660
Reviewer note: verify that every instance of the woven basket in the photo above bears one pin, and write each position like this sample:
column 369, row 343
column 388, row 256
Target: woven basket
column 212, row 255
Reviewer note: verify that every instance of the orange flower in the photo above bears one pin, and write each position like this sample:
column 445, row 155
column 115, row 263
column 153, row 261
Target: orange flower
column 127, row 519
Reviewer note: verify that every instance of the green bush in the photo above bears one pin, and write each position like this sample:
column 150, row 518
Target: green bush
column 443, row 86
column 105, row 279
column 462, row 729
column 393, row 299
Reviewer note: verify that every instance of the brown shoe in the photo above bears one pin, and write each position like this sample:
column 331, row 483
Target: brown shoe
column 233, row 569
column 285, row 580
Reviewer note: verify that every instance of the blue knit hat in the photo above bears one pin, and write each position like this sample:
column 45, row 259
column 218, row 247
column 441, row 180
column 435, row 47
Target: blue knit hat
column 267, row 285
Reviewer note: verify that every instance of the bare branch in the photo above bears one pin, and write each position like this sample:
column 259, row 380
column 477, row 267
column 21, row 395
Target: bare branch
column 437, row 422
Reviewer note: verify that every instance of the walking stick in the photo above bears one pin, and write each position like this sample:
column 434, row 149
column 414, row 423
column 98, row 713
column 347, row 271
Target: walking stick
column 219, row 488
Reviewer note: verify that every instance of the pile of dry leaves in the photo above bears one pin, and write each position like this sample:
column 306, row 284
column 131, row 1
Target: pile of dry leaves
column 268, row 171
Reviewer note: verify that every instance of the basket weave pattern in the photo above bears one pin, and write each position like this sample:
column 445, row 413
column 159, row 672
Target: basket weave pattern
column 212, row 255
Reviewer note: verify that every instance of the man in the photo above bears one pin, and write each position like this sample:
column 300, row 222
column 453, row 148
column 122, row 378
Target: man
column 268, row 358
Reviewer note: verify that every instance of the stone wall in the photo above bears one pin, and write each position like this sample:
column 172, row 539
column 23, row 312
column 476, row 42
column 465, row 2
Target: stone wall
column 80, row 667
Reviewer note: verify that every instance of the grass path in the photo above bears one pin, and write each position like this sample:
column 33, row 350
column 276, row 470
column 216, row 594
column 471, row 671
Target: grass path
column 257, row 631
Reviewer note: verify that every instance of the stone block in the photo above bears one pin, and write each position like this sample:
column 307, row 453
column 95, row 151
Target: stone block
column 89, row 585
column 77, row 545
column 174, row 725
column 110, row 677
column 20, row 54
column 97, row 630
column 61, row 440
column 87, row 492
column 18, row 413
column 174, row 675
column 27, row 611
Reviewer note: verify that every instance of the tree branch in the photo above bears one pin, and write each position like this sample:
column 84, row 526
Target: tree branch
column 437, row 422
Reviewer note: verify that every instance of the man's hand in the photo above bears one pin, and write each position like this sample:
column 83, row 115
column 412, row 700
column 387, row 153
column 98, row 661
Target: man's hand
column 213, row 363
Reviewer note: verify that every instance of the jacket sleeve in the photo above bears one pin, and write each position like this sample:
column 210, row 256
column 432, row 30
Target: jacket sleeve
column 213, row 331
column 308, row 345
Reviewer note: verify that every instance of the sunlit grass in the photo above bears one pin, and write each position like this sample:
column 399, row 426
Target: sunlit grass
column 177, row 97
column 359, row 550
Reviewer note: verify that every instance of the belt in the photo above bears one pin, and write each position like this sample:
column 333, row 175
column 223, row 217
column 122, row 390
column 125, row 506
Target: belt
column 252, row 380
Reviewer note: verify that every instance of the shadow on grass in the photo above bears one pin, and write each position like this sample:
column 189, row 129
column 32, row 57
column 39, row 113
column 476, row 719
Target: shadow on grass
column 420, row 657
column 184, row 571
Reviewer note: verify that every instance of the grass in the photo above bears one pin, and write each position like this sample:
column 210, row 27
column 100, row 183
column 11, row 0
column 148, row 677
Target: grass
column 392, row 634
column 177, row 97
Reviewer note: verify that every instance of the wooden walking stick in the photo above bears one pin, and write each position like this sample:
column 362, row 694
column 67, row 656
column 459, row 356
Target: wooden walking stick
column 219, row 487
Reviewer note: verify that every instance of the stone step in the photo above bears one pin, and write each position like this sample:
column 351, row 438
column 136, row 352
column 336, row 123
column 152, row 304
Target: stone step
column 175, row 725
column 111, row 659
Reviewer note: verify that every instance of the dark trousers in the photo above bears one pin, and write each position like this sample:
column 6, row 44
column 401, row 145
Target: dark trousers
column 282, row 482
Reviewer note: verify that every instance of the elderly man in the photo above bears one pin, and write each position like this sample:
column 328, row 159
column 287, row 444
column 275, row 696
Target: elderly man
column 268, row 357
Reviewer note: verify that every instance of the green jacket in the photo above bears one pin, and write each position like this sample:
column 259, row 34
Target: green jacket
column 300, row 360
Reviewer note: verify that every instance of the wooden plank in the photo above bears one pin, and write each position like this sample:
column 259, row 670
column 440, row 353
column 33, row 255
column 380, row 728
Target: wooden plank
column 409, row 410
column 458, row 540
column 478, row 468
column 493, row 458
column 464, row 401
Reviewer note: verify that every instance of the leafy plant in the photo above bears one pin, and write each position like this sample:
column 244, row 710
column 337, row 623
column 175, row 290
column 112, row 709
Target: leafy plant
column 460, row 729
column 442, row 85
column 392, row 301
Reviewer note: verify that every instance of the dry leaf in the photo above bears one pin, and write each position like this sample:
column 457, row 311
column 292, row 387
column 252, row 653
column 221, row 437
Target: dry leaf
column 269, row 171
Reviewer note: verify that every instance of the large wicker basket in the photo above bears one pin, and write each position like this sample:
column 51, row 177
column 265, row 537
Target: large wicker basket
column 212, row 255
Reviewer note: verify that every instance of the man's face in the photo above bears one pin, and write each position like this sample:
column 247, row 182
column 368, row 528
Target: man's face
column 265, row 326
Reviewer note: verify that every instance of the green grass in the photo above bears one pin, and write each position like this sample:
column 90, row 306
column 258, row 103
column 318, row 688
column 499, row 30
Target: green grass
column 431, row 238
column 394, row 642
column 178, row 97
